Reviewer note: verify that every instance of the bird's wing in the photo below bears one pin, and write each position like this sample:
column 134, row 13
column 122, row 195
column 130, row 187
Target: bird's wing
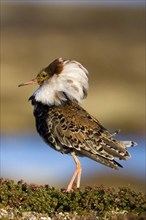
column 75, row 129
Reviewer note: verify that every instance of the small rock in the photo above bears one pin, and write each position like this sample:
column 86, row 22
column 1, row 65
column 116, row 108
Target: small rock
column 28, row 216
column 3, row 213
column 45, row 218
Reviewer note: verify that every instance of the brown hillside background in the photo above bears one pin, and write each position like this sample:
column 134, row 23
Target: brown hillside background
column 109, row 42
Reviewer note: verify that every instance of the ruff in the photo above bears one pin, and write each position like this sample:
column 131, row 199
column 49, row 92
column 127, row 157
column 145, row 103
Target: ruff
column 64, row 125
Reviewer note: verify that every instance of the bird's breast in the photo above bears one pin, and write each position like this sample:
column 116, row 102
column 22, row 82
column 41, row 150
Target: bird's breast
column 46, row 118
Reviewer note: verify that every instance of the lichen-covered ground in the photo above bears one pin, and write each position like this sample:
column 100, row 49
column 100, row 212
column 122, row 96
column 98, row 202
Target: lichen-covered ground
column 31, row 202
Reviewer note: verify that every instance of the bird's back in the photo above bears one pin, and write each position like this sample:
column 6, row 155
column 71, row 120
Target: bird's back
column 69, row 128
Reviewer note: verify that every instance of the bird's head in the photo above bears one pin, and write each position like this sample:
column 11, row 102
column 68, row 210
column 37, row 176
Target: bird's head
column 60, row 81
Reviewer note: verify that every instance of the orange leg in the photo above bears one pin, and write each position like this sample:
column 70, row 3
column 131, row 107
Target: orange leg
column 77, row 173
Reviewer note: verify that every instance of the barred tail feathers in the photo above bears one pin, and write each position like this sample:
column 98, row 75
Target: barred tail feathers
column 128, row 144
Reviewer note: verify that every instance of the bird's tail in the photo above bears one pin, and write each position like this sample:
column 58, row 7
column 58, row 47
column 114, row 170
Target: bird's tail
column 128, row 144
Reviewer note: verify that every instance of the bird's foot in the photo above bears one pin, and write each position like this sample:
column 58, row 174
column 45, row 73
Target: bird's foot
column 69, row 190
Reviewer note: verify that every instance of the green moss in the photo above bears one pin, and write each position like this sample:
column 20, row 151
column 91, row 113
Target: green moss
column 90, row 201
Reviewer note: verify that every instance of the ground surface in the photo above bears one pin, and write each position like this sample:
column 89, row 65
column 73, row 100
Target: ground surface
column 23, row 201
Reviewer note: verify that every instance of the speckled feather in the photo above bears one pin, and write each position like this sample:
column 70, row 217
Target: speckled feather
column 68, row 127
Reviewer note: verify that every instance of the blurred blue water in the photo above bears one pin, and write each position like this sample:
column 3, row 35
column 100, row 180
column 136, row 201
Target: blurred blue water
column 27, row 157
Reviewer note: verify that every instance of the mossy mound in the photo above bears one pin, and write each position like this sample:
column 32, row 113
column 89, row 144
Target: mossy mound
column 89, row 203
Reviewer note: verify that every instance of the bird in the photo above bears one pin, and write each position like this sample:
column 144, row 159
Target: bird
column 65, row 125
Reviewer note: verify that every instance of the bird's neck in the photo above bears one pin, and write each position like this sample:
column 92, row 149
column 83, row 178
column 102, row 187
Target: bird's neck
column 58, row 90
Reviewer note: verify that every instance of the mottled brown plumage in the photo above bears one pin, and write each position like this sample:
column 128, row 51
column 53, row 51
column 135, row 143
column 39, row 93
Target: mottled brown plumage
column 65, row 125
column 69, row 128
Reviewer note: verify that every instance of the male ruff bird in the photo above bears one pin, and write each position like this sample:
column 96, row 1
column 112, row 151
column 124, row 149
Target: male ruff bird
column 64, row 125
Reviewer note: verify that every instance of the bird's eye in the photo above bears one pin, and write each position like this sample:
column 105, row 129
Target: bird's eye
column 44, row 75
